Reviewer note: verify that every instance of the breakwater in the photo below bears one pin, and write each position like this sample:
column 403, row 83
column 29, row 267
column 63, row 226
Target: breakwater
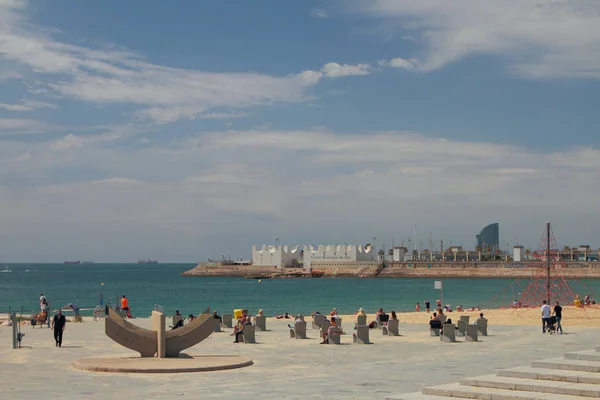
column 574, row 270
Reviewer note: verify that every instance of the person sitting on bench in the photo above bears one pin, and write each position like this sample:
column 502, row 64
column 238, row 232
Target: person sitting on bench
column 434, row 322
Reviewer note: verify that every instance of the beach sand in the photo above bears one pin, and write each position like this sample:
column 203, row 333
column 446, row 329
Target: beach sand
column 572, row 316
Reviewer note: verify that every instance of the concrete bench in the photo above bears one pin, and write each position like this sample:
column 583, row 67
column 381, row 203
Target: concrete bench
column 449, row 333
column 380, row 322
column 217, row 325
column 249, row 334
column 465, row 318
column 462, row 328
column 471, row 334
column 442, row 318
column 391, row 329
column 298, row 331
column 361, row 320
column 333, row 335
column 361, row 335
column 324, row 327
column 482, row 326
column 261, row 322
column 317, row 321
column 227, row 320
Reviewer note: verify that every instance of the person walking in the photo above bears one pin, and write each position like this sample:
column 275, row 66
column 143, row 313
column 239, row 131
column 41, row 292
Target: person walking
column 58, row 326
column 545, row 316
column 558, row 314
column 427, row 306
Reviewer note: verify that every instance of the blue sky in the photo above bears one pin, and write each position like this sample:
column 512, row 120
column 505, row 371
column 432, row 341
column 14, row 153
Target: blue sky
column 181, row 131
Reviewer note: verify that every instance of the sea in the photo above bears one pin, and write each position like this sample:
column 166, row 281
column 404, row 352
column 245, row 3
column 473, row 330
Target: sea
column 150, row 285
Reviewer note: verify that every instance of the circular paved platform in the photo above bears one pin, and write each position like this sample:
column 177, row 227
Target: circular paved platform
column 162, row 365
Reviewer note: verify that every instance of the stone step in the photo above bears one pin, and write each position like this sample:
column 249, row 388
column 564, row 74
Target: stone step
column 552, row 375
column 485, row 393
column 418, row 396
column 533, row 385
column 572, row 365
column 588, row 355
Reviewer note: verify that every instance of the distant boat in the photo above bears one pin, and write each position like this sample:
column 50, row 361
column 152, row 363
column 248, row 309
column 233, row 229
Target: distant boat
column 73, row 262
column 5, row 269
column 87, row 262
column 147, row 261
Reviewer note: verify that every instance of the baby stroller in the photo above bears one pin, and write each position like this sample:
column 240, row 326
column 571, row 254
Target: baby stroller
column 551, row 325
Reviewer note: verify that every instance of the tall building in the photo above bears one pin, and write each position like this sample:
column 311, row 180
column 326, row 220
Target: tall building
column 489, row 238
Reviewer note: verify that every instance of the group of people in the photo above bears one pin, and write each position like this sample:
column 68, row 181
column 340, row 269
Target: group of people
column 436, row 323
column 447, row 308
column 551, row 317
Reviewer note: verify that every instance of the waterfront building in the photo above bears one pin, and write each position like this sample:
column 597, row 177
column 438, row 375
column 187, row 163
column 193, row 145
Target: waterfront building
column 340, row 253
column 518, row 254
column 489, row 238
column 277, row 256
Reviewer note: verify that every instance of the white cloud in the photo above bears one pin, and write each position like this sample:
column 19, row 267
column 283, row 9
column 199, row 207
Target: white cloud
column 10, row 126
column 164, row 94
column 226, row 115
column 71, row 141
column 318, row 185
column 335, row 70
column 539, row 38
column 15, row 107
column 27, row 105
column 318, row 13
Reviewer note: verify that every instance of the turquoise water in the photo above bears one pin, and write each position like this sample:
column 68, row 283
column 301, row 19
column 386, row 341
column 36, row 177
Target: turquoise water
column 149, row 284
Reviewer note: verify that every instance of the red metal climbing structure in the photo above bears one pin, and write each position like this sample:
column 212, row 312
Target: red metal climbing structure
column 551, row 277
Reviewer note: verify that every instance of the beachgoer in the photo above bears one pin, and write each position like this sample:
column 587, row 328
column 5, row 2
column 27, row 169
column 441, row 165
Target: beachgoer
column 434, row 322
column 361, row 312
column 334, row 325
column 76, row 316
column 545, row 316
column 217, row 316
column 260, row 313
column 418, row 307
column 393, row 315
column 43, row 302
column 125, row 306
column 191, row 317
column 438, row 303
column 59, row 323
column 238, row 330
column 558, row 314
column 427, row 306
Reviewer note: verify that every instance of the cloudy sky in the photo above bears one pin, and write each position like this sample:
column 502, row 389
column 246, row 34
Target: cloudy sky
column 181, row 131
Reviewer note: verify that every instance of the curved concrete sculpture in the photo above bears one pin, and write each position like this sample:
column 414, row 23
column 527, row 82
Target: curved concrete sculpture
column 190, row 334
column 146, row 341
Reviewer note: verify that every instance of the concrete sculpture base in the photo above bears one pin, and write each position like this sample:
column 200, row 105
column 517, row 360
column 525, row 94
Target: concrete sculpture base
column 183, row 363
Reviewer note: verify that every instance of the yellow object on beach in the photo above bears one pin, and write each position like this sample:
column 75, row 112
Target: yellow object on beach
column 578, row 303
column 237, row 313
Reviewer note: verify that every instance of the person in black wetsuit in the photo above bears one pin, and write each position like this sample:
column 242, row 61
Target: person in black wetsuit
column 58, row 326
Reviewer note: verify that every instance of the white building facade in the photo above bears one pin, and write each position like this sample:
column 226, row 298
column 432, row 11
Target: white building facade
column 276, row 256
column 518, row 254
column 337, row 252
column 288, row 256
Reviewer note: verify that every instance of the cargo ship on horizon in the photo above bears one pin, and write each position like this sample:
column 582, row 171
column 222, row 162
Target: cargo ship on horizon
column 147, row 261
column 73, row 262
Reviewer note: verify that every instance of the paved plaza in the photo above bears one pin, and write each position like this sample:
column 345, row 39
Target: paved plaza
column 283, row 367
